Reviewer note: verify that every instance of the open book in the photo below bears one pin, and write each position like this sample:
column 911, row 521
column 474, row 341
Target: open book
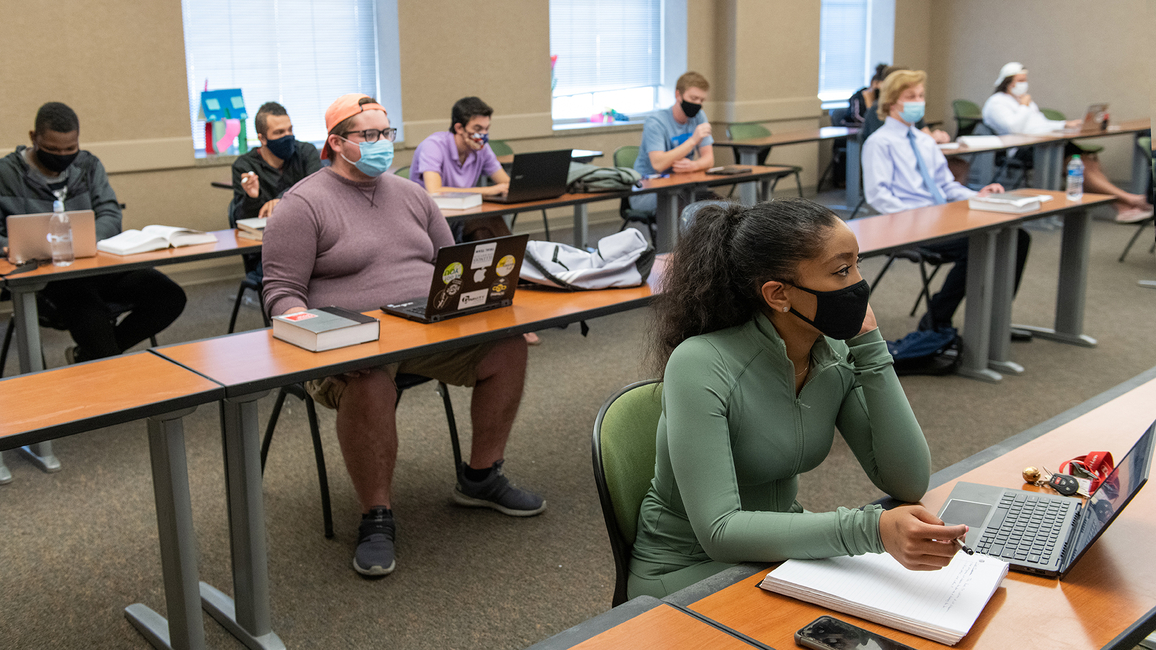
column 938, row 605
column 1011, row 202
column 153, row 238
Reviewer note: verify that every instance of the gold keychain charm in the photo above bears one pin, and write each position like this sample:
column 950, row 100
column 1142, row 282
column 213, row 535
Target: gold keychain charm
column 1032, row 475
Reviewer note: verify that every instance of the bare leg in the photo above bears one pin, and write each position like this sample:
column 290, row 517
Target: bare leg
column 367, row 431
column 501, row 376
column 1096, row 182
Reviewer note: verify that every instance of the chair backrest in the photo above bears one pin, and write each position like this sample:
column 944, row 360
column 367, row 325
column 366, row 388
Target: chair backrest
column 501, row 148
column 837, row 115
column 625, row 156
column 1053, row 114
column 402, row 172
column 747, row 131
column 623, row 450
column 691, row 211
column 967, row 116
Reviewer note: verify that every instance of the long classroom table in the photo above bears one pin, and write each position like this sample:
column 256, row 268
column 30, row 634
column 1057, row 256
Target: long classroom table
column 1107, row 601
column 249, row 364
column 991, row 270
column 746, row 151
column 114, row 391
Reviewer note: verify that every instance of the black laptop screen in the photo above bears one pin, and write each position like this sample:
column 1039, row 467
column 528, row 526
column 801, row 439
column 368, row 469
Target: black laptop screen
column 1113, row 494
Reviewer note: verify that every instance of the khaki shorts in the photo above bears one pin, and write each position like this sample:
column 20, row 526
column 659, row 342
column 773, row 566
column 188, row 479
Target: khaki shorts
column 457, row 367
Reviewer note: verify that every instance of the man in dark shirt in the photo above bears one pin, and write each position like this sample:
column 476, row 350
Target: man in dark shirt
column 54, row 166
column 263, row 174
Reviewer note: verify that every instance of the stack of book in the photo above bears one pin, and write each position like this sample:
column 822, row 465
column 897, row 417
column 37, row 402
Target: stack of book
column 251, row 228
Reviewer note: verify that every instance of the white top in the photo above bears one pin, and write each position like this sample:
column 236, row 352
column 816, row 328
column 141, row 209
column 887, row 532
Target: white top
column 891, row 178
column 1004, row 114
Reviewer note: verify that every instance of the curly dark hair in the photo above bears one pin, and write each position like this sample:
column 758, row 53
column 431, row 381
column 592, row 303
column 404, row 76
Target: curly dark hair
column 715, row 275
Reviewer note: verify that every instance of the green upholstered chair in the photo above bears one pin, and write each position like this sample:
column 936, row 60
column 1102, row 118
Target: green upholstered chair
column 503, row 148
column 967, row 116
column 625, row 157
column 623, row 452
column 752, row 130
column 1053, row 114
column 402, row 172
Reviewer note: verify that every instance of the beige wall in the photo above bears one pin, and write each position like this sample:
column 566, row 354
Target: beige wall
column 1077, row 52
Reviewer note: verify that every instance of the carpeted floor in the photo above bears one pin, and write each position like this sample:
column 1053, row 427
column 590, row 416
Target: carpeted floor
column 80, row 545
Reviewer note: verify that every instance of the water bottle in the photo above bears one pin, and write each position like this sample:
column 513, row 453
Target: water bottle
column 60, row 235
column 1075, row 178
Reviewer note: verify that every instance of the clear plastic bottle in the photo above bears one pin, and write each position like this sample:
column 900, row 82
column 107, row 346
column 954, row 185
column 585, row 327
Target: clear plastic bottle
column 1075, row 178
column 60, row 235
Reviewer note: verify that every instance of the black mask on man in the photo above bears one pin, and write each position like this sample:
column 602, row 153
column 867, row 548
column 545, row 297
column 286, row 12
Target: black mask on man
column 839, row 314
column 283, row 147
column 53, row 162
column 689, row 108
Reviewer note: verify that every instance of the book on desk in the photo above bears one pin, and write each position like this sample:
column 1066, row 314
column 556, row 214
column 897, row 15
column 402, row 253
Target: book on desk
column 1009, row 202
column 253, row 228
column 327, row 328
column 939, row 605
column 153, row 238
column 456, row 200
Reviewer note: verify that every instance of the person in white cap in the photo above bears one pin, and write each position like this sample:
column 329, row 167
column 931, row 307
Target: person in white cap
column 1010, row 109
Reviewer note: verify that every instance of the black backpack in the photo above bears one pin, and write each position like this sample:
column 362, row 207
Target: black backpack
column 927, row 352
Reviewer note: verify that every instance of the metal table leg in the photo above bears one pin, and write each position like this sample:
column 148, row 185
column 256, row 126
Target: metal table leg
column 1003, row 291
column 747, row 191
column 185, row 628
column 667, row 220
column 27, row 322
column 1049, row 163
column 5, row 475
column 748, row 156
column 246, row 616
column 981, row 253
column 581, row 226
column 851, row 198
column 1075, row 248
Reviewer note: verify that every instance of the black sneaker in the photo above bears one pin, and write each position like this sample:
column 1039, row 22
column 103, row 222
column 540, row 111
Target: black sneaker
column 496, row 492
column 375, row 535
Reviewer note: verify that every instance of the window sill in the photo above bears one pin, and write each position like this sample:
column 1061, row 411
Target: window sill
column 590, row 128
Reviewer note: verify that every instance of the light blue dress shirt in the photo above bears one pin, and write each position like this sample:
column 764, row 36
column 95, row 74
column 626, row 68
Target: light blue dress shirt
column 891, row 178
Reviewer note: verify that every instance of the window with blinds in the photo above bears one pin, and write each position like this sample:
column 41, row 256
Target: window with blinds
column 843, row 45
column 609, row 54
column 302, row 54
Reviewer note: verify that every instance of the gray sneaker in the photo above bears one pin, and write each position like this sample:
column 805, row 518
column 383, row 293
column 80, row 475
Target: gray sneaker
column 375, row 535
column 497, row 493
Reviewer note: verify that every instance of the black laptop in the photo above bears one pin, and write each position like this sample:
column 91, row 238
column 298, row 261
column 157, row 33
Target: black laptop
column 536, row 176
column 468, row 278
column 1044, row 533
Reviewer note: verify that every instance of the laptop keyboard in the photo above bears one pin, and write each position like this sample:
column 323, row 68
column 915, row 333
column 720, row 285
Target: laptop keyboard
column 1025, row 528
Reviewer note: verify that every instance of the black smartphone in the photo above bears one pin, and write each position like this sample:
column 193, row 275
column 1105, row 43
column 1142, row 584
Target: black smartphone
column 827, row 633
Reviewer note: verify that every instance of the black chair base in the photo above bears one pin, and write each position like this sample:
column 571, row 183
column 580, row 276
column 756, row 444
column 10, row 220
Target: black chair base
column 1135, row 236
column 248, row 283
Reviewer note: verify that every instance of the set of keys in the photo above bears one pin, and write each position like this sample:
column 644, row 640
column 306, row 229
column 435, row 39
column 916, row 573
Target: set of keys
column 1065, row 484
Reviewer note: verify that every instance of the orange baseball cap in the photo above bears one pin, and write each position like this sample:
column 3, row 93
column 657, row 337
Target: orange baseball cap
column 344, row 108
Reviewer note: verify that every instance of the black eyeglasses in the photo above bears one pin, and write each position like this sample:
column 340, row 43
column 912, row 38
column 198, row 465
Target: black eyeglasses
column 373, row 135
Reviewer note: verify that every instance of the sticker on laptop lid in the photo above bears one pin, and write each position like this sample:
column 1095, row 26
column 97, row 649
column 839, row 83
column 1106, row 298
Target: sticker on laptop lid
column 301, row 315
column 499, row 288
column 452, row 272
column 484, row 255
column 479, row 275
column 472, row 299
column 505, row 265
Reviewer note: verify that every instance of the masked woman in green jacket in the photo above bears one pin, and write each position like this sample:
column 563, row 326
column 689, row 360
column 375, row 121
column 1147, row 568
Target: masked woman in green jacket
column 768, row 347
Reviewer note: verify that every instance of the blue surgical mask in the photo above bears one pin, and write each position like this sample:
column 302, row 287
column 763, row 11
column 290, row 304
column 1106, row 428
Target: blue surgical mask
column 376, row 157
column 912, row 112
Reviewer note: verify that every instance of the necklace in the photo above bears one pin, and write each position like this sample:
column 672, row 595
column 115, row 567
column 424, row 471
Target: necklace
column 805, row 369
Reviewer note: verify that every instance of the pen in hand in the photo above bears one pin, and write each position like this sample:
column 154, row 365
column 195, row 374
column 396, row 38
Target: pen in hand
column 963, row 547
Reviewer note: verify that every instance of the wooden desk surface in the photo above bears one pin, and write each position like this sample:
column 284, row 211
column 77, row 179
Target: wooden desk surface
column 575, row 154
column 253, row 361
column 702, row 178
column 63, row 401
column 663, row 628
column 1113, row 586
column 1006, row 142
column 1114, row 128
column 792, row 137
column 487, row 208
column 228, row 243
column 889, row 232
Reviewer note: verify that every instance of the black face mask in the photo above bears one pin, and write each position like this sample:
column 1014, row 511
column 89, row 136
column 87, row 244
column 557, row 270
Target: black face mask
column 839, row 314
column 283, row 147
column 690, row 109
column 55, row 162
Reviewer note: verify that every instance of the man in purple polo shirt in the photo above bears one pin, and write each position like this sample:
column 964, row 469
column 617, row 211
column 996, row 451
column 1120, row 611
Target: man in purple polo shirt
column 456, row 159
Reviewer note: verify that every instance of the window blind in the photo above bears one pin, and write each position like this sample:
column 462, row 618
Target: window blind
column 842, row 48
column 302, row 54
column 605, row 45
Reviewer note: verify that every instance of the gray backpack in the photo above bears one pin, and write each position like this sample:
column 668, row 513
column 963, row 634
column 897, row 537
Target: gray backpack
column 585, row 178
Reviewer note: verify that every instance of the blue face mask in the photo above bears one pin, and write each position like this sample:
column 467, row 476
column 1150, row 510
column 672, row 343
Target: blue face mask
column 376, row 157
column 912, row 112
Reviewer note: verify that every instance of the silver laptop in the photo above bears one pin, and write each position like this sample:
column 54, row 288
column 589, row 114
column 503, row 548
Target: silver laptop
column 28, row 235
column 1094, row 117
column 1046, row 534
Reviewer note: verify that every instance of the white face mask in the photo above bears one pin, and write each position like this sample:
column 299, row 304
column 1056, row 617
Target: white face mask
column 1019, row 89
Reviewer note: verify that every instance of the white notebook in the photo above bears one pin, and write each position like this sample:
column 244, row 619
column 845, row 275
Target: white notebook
column 938, row 605
column 153, row 238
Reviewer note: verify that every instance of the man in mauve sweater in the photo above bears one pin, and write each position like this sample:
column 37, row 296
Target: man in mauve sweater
column 356, row 237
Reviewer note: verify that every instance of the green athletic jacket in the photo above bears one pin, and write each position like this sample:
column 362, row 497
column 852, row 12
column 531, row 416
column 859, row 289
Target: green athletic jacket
column 733, row 438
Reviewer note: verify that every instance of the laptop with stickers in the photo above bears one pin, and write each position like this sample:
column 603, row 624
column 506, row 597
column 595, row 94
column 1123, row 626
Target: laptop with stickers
column 468, row 278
